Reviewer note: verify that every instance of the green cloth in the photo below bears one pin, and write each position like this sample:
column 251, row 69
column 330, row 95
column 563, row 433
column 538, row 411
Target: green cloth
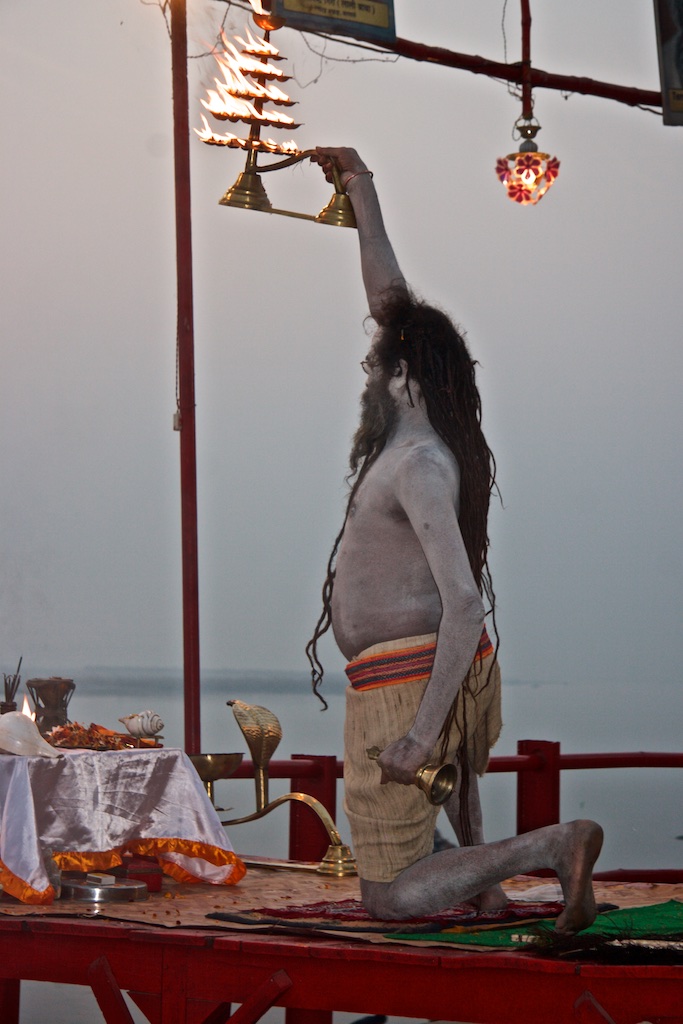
column 661, row 921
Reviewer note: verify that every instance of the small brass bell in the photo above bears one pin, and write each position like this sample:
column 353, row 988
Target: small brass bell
column 437, row 781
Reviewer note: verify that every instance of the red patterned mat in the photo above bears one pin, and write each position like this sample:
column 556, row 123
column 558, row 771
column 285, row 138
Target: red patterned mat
column 349, row 916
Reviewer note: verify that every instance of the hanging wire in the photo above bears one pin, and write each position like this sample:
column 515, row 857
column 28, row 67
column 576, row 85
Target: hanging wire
column 165, row 8
column 217, row 44
column 512, row 89
column 502, row 27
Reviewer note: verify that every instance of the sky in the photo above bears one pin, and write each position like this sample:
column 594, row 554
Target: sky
column 572, row 308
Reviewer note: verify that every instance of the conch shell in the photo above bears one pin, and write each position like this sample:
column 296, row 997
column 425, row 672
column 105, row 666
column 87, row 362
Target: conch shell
column 144, row 723
column 19, row 735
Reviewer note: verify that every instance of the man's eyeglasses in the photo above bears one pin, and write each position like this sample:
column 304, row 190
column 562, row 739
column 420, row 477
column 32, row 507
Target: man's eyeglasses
column 369, row 366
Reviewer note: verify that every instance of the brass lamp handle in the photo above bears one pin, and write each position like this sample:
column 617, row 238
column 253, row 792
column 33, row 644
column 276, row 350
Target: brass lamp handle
column 305, row 154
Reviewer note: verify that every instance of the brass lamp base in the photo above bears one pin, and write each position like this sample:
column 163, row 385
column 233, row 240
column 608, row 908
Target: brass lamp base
column 338, row 212
column 338, row 861
column 247, row 193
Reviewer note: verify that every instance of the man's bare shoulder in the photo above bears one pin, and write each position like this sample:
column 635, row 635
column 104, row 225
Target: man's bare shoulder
column 429, row 459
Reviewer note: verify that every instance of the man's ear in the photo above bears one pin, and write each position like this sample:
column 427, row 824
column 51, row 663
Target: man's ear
column 404, row 367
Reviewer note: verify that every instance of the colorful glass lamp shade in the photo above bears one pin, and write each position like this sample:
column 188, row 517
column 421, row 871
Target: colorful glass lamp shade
column 527, row 174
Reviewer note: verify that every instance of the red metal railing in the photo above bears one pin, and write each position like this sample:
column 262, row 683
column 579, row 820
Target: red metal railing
column 538, row 764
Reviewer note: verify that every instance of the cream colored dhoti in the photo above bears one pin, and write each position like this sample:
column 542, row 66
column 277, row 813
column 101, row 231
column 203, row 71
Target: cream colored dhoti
column 392, row 826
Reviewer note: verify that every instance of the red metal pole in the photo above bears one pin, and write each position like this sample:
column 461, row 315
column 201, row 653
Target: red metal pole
column 186, row 397
column 527, row 102
column 10, row 991
column 538, row 792
column 306, row 841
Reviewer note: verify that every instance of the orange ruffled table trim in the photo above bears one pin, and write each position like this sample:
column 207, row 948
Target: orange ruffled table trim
column 73, row 861
column 21, row 890
column 100, row 861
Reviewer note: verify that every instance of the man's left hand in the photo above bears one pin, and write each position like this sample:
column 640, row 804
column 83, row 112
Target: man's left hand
column 401, row 760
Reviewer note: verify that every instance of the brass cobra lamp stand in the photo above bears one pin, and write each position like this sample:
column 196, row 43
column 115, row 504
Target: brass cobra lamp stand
column 263, row 732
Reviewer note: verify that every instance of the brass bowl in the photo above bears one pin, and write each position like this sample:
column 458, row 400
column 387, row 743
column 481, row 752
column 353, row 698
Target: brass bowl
column 211, row 767
column 216, row 766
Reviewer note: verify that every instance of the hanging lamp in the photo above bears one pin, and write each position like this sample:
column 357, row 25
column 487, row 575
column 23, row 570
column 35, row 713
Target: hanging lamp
column 527, row 174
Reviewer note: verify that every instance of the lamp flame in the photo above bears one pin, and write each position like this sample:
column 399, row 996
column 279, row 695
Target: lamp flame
column 246, row 85
column 246, row 61
column 527, row 176
column 233, row 142
column 26, row 709
column 257, row 47
column 226, row 107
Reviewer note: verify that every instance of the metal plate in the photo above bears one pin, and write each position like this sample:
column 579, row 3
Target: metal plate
column 122, row 892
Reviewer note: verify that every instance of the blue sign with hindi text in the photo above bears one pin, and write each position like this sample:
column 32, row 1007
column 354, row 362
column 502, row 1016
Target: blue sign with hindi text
column 370, row 20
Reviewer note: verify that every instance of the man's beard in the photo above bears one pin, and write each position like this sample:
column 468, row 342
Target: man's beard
column 378, row 415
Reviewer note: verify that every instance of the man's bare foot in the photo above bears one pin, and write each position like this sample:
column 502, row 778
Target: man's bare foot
column 577, row 855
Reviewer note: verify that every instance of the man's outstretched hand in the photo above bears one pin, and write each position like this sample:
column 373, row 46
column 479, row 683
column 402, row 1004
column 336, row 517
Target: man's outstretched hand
column 347, row 160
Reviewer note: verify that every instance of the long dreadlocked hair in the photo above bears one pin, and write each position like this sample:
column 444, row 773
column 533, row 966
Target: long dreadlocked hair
column 439, row 363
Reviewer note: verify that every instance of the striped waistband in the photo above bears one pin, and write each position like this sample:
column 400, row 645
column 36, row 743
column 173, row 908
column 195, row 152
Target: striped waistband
column 408, row 664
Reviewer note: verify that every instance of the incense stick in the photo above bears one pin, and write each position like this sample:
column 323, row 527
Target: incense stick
column 12, row 683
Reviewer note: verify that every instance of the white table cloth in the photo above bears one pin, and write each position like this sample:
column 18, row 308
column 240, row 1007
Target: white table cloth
column 82, row 811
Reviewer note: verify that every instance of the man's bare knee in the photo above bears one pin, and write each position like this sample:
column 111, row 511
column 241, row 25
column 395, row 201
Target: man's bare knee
column 383, row 900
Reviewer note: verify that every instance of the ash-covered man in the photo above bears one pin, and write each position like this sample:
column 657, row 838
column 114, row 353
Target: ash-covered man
column 405, row 596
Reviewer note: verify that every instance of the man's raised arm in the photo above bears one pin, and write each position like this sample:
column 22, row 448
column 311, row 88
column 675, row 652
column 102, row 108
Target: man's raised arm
column 379, row 265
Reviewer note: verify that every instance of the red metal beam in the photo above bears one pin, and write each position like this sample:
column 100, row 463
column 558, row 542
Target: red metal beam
column 108, row 993
column 515, row 763
column 638, row 759
column 185, row 369
column 306, row 768
column 262, row 998
column 515, row 73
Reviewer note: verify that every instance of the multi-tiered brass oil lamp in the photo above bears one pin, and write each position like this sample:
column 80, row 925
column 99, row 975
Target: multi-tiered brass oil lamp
column 247, row 91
